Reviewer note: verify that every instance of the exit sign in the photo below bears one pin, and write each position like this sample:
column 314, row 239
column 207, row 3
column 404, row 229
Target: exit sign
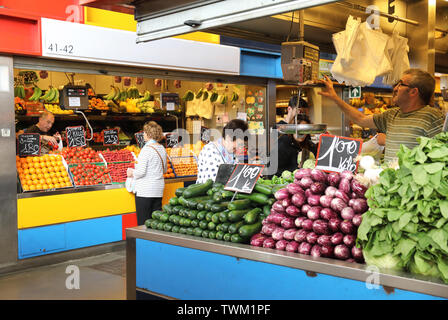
column 354, row 92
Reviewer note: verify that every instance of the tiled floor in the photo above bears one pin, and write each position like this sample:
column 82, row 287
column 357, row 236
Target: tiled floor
column 100, row 278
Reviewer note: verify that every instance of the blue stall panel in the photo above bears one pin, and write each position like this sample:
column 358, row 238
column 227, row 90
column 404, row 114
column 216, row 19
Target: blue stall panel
column 41, row 240
column 92, row 232
column 69, row 236
column 259, row 63
column 186, row 273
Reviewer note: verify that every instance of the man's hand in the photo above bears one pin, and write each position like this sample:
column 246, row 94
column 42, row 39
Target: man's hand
column 50, row 139
column 329, row 91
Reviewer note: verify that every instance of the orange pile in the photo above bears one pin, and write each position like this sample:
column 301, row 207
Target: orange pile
column 42, row 173
column 169, row 172
column 185, row 166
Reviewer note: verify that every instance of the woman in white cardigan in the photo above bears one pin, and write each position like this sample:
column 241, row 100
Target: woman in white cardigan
column 148, row 173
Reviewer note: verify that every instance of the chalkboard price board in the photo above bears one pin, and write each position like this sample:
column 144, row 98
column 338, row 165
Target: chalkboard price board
column 140, row 139
column 76, row 136
column 244, row 177
column 110, row 137
column 338, row 153
column 28, row 144
column 205, row 135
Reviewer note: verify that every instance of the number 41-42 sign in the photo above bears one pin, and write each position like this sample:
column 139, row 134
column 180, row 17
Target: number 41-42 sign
column 354, row 92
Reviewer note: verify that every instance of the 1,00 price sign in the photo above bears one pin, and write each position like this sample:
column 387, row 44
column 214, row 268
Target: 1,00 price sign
column 244, row 177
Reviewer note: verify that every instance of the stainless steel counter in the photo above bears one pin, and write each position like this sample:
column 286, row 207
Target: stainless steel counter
column 355, row 271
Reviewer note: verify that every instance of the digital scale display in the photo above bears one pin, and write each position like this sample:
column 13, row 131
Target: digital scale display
column 74, row 97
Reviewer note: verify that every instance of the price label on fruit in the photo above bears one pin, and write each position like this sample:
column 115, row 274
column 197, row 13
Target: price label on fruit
column 76, row 136
column 338, row 153
column 28, row 144
column 110, row 137
column 140, row 139
column 244, row 177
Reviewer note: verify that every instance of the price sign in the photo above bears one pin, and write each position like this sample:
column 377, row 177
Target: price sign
column 140, row 139
column 338, row 153
column 110, row 137
column 172, row 140
column 205, row 135
column 76, row 136
column 28, row 144
column 244, row 177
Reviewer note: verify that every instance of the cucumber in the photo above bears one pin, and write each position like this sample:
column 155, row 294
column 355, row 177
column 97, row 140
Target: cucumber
column 175, row 229
column 217, row 197
column 205, row 233
column 252, row 215
column 210, row 192
column 263, row 188
column 167, row 208
column 218, row 185
column 183, row 202
column 154, row 224
column 226, row 237
column 227, row 194
column 195, row 223
column 182, row 230
column 219, row 206
column 179, row 191
column 191, row 214
column 239, row 204
column 148, row 223
column 156, row 214
column 160, row 225
column 258, row 198
column 176, row 219
column 215, row 218
column 266, row 210
column 196, row 190
column 208, row 205
column 187, row 222
column 164, row 217
column 249, row 230
column 203, row 224
column 197, row 231
column 236, row 215
column 183, row 212
column 177, row 209
column 208, row 216
column 201, row 215
column 234, row 227
column 194, row 202
column 225, row 227
column 212, row 234
column 190, row 231
column 223, row 215
column 236, row 238
column 168, row 226
column 219, row 235
column 211, row 225
column 174, row 201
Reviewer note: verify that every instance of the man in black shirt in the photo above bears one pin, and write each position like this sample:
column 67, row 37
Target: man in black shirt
column 49, row 138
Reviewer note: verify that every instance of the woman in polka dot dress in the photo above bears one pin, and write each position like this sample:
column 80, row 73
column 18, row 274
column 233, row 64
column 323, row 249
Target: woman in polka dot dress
column 221, row 151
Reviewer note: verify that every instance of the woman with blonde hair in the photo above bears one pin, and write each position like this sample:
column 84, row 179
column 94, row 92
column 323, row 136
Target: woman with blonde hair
column 148, row 173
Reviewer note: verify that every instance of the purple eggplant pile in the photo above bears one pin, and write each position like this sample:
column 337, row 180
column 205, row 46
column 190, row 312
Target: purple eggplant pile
column 318, row 215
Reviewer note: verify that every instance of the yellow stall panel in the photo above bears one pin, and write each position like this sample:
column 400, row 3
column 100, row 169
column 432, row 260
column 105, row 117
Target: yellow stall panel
column 46, row 210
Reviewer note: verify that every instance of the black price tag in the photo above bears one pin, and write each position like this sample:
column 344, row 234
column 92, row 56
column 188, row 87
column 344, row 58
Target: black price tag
column 172, row 140
column 28, row 144
column 76, row 137
column 205, row 135
column 244, row 177
column 140, row 139
column 338, row 153
column 110, row 137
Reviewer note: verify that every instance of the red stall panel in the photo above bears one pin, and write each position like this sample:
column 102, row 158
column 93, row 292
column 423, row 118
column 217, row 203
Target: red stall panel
column 129, row 221
column 21, row 33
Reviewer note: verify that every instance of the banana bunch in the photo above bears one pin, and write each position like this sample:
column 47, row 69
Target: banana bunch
column 19, row 91
column 36, row 94
column 188, row 96
column 214, row 96
column 205, row 95
column 51, row 96
column 132, row 93
column 123, row 95
column 146, row 97
column 222, row 99
column 113, row 93
column 199, row 93
column 235, row 97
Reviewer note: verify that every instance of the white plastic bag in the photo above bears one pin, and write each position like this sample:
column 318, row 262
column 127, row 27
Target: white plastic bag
column 398, row 50
column 130, row 184
column 372, row 148
column 361, row 54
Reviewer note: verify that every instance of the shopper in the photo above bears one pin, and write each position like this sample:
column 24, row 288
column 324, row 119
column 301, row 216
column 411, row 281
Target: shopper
column 221, row 151
column 293, row 150
column 412, row 118
column 148, row 173
column 50, row 139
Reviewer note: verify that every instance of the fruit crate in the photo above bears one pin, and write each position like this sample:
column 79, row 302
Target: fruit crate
column 184, row 166
column 85, row 169
column 44, row 173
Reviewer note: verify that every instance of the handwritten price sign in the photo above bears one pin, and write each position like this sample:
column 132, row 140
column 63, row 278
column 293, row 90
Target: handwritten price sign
column 76, row 137
column 338, row 153
column 244, row 177
column 110, row 137
column 29, row 144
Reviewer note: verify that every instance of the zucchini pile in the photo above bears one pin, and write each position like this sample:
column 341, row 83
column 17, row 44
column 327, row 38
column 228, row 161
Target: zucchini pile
column 207, row 210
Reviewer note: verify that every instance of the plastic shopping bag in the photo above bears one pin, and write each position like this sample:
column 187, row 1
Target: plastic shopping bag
column 130, row 184
column 361, row 54
column 398, row 51
column 372, row 148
